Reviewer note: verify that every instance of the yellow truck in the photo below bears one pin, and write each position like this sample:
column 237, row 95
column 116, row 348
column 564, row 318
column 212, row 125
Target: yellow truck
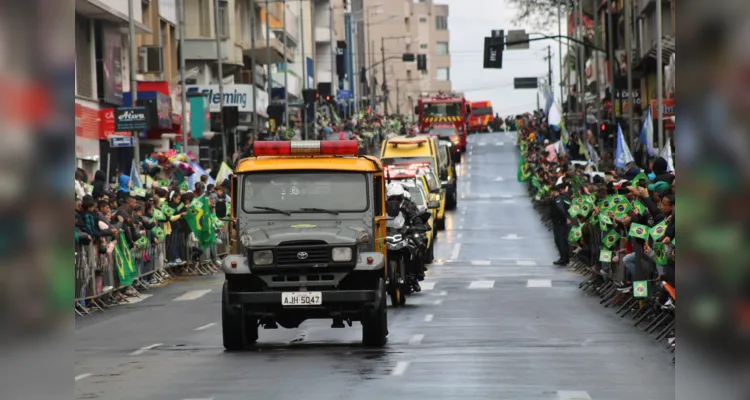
column 310, row 228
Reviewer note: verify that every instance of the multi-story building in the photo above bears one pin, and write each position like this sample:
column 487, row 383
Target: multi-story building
column 324, row 20
column 386, row 30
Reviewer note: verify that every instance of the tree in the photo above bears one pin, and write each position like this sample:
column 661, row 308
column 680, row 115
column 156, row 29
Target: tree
column 539, row 13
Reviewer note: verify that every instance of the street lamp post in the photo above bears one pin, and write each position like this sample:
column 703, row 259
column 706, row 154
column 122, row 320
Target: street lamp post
column 385, row 85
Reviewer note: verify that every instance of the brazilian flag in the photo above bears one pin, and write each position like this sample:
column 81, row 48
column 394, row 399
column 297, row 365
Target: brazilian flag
column 639, row 231
column 523, row 170
column 615, row 200
column 535, row 182
column 158, row 216
column 168, row 211
column 163, row 183
column 640, row 177
column 586, row 209
column 574, row 210
column 124, row 261
column 604, row 220
column 198, row 218
column 141, row 242
column 611, row 238
column 575, row 234
column 605, row 256
column 606, row 204
column 184, row 186
column 159, row 233
column 660, row 253
column 622, row 209
column 639, row 207
column 658, row 230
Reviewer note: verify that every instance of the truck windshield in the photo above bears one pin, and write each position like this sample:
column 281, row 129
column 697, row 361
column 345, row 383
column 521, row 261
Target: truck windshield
column 292, row 192
column 442, row 109
column 443, row 132
column 414, row 163
column 478, row 111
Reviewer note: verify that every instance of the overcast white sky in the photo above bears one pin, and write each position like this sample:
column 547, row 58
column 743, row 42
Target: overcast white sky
column 469, row 22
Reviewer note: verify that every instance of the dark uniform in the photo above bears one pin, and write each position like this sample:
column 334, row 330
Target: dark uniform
column 559, row 217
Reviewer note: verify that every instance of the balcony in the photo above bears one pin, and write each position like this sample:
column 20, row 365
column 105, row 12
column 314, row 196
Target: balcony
column 260, row 55
column 322, row 34
column 112, row 11
column 205, row 49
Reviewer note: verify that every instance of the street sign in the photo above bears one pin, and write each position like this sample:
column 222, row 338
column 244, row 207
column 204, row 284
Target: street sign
column 518, row 35
column 120, row 141
column 344, row 94
column 131, row 119
column 525, row 83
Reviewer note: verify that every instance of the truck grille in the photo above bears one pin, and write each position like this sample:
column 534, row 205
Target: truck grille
column 303, row 253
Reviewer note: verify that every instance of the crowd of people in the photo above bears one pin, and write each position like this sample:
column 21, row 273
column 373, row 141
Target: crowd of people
column 620, row 221
column 135, row 217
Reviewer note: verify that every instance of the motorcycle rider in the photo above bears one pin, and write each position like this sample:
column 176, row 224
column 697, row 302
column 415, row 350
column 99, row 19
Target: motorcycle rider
column 398, row 199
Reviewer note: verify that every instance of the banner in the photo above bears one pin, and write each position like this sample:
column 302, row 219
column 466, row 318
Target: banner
column 124, row 262
column 112, row 65
column 198, row 218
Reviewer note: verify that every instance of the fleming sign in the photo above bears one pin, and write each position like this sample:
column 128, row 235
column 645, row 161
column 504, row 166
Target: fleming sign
column 131, row 119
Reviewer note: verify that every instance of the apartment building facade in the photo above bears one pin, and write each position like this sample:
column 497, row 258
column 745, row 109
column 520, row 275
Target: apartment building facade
column 388, row 28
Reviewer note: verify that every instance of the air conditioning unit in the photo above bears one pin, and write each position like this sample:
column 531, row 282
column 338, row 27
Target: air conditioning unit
column 150, row 59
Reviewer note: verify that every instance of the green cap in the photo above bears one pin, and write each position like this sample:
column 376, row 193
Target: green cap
column 659, row 187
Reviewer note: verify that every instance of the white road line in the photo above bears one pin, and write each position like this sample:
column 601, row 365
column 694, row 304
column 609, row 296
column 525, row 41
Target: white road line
column 437, row 302
column 145, row 349
column 482, row 144
column 511, row 236
column 499, row 143
column 481, row 262
column 401, row 367
column 506, row 196
column 428, row 317
column 82, row 376
column 499, row 179
column 537, row 283
column 460, row 235
column 481, row 284
column 427, row 285
column 573, row 395
column 525, row 262
column 200, row 328
column 416, row 339
column 443, row 293
column 460, row 227
column 192, row 295
column 456, row 249
column 484, row 196
column 133, row 300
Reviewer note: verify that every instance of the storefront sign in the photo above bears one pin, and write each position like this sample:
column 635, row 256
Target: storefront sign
column 163, row 111
column 107, row 124
column 240, row 96
column 121, row 141
column 667, row 110
column 131, row 119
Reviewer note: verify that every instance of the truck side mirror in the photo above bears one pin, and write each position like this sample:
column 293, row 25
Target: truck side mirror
column 468, row 109
column 433, row 204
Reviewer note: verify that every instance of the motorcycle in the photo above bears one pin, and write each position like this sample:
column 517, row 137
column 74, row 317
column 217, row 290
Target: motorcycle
column 406, row 244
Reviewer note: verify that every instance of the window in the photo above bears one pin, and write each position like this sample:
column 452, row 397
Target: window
column 343, row 192
column 408, row 74
column 443, row 74
column 441, row 48
column 204, row 20
column 378, row 185
column 223, row 19
column 423, row 46
column 441, row 23
column 422, row 20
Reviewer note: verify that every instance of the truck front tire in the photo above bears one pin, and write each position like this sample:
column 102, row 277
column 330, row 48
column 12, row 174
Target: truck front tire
column 231, row 327
column 375, row 323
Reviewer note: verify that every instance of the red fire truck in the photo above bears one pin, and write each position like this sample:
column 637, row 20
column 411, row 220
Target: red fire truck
column 481, row 117
column 442, row 109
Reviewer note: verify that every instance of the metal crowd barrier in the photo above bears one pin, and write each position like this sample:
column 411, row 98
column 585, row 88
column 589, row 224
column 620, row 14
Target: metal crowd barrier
column 655, row 313
column 97, row 281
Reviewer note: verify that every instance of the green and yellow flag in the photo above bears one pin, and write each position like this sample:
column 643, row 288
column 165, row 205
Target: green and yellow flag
column 605, row 256
column 574, row 210
column 575, row 234
column 658, row 230
column 604, row 220
column 621, row 210
column 639, row 207
column 639, row 231
column 660, row 253
column 523, row 170
column 124, row 261
column 640, row 177
column 611, row 238
column 198, row 218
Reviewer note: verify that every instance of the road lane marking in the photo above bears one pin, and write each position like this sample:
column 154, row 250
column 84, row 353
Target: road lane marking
column 525, row 262
column 456, row 249
column 499, row 179
column 428, row 317
column 145, row 349
column 481, row 285
column 499, row 143
column 401, row 367
column 511, row 236
column 427, row 285
column 200, row 328
column 82, row 376
column 506, row 196
column 416, row 339
column 484, row 196
column 443, row 293
column 573, row 395
column 438, row 302
column 460, row 235
column 481, row 262
column 537, row 283
column 192, row 295
column 133, row 300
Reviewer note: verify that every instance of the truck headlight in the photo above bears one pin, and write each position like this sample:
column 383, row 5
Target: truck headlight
column 342, row 254
column 262, row 257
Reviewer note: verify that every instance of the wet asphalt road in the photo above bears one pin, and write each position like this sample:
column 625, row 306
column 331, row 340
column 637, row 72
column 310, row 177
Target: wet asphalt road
column 495, row 320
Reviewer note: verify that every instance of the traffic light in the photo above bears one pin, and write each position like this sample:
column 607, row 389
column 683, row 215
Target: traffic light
column 422, row 62
column 310, row 95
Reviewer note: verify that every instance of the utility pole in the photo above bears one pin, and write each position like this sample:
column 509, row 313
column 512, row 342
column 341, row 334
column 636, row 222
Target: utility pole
column 659, row 77
column 252, row 66
column 268, row 52
column 611, row 56
column 559, row 54
column 183, row 93
column 385, row 87
column 628, row 5
column 582, row 70
column 133, row 81
column 598, row 80
column 286, row 68
column 304, row 68
column 220, row 68
column 549, row 66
